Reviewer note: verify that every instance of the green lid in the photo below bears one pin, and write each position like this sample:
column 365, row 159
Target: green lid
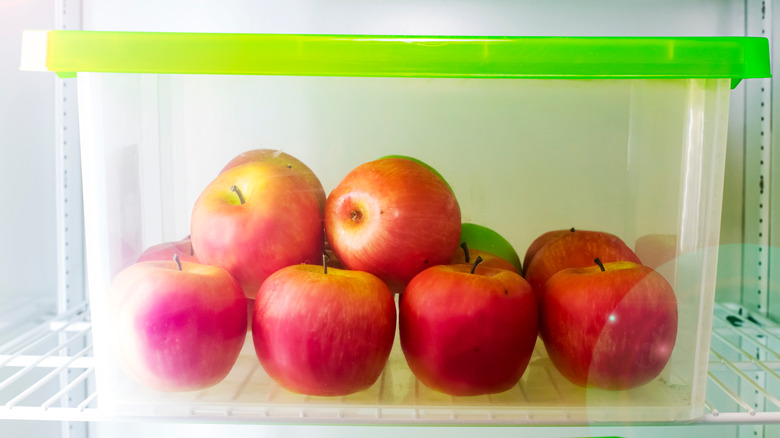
column 68, row 52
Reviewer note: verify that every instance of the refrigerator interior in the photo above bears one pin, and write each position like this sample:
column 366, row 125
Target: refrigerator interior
column 741, row 393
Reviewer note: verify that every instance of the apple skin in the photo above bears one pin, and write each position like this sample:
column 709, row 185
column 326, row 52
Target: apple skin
column 177, row 330
column 574, row 249
column 279, row 224
column 166, row 250
column 392, row 217
column 612, row 329
column 482, row 238
column 284, row 159
column 539, row 243
column 488, row 259
column 468, row 334
column 323, row 334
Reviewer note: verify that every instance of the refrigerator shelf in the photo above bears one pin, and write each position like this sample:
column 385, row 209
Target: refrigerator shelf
column 48, row 373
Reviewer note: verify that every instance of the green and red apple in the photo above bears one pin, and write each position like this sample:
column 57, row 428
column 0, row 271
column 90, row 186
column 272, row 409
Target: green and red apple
column 495, row 250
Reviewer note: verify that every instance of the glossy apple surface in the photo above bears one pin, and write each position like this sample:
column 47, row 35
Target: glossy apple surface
column 573, row 249
column 320, row 333
column 177, row 330
column 539, row 243
column 392, row 217
column 468, row 333
column 166, row 250
column 482, row 238
column 284, row 159
column 613, row 329
column 278, row 223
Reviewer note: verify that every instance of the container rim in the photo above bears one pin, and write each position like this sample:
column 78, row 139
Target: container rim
column 69, row 52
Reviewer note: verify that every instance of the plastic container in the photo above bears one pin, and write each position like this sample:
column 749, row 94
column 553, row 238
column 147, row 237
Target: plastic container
column 624, row 135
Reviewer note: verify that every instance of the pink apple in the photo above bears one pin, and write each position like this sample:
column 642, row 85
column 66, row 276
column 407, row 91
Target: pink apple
column 177, row 328
column 392, row 217
column 468, row 333
column 323, row 332
column 255, row 219
column 166, row 250
column 612, row 326
column 283, row 159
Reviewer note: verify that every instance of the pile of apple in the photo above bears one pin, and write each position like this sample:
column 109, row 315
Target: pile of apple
column 314, row 279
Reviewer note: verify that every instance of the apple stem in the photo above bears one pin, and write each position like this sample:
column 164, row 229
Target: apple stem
column 572, row 229
column 235, row 188
column 178, row 262
column 325, row 262
column 465, row 252
column 598, row 262
column 477, row 261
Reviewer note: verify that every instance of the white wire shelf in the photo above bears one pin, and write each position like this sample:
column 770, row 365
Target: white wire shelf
column 48, row 373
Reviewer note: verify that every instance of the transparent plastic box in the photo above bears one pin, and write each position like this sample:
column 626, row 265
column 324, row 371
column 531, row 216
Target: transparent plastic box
column 624, row 135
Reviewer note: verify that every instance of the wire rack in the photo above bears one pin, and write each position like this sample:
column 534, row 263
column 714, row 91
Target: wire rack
column 47, row 372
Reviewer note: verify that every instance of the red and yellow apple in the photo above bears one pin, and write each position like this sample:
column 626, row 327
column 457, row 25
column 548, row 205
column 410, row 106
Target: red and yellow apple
column 392, row 217
column 283, row 159
column 166, row 250
column 255, row 219
column 574, row 248
column 468, row 333
column 325, row 332
column 177, row 328
column 610, row 326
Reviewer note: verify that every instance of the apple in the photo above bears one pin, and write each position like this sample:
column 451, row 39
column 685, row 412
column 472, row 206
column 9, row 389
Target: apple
column 166, row 250
column 573, row 249
column 179, row 326
column 392, row 217
column 468, row 329
column 467, row 255
column 283, row 159
column 539, row 243
column 255, row 219
column 323, row 331
column 481, row 238
column 610, row 326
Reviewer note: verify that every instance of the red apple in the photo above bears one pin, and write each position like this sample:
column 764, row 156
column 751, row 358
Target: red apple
column 392, row 217
column 177, row 328
column 255, row 219
column 283, row 159
column 611, row 327
column 323, row 332
column 468, row 333
column 539, row 243
column 166, row 250
column 468, row 256
column 574, row 249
